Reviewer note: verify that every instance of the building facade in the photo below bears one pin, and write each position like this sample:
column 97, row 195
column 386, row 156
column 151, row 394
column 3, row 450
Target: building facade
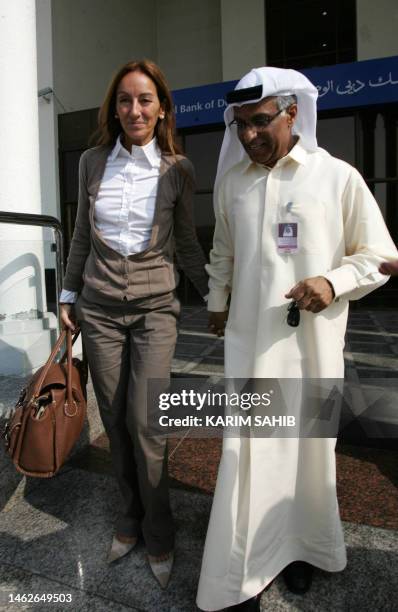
column 76, row 45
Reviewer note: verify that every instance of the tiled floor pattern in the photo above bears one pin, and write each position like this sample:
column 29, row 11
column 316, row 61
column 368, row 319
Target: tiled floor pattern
column 55, row 533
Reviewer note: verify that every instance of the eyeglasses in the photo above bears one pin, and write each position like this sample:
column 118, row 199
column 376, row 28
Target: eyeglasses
column 258, row 122
column 293, row 314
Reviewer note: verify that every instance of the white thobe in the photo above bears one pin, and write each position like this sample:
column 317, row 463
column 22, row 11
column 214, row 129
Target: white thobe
column 275, row 499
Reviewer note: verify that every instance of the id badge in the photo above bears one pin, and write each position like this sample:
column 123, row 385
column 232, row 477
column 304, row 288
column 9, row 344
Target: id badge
column 287, row 238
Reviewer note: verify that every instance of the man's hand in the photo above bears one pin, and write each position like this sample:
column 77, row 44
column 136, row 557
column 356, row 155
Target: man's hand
column 389, row 267
column 217, row 321
column 313, row 294
column 68, row 318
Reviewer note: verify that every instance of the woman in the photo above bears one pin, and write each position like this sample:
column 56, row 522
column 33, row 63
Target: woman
column 135, row 200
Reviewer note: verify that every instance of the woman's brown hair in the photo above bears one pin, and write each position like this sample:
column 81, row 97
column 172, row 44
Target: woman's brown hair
column 109, row 127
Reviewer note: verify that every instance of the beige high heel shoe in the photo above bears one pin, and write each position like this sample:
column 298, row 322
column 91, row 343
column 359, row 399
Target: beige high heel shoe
column 121, row 545
column 162, row 569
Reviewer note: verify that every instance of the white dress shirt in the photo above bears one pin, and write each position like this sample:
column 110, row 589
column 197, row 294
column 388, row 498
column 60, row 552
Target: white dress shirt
column 125, row 204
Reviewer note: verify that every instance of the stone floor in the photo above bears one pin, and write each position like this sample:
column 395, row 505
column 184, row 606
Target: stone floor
column 55, row 533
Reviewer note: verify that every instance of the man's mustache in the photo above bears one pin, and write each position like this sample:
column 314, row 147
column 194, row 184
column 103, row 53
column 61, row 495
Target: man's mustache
column 257, row 144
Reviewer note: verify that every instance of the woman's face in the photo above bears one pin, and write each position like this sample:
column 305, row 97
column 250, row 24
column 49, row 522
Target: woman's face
column 138, row 108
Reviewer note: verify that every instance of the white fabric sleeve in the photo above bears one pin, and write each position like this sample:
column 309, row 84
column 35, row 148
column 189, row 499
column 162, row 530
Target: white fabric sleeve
column 220, row 268
column 68, row 297
column 367, row 243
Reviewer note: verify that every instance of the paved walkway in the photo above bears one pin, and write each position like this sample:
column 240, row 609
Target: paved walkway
column 55, row 533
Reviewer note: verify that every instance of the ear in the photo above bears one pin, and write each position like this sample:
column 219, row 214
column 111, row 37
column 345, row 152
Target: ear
column 162, row 112
column 292, row 114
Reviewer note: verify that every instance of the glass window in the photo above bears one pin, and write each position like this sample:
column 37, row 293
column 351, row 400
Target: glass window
column 308, row 33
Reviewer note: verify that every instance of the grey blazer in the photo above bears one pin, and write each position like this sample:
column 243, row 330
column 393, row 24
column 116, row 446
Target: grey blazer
column 105, row 276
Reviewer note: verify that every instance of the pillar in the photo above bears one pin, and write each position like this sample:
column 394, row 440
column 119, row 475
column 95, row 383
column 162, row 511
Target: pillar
column 25, row 326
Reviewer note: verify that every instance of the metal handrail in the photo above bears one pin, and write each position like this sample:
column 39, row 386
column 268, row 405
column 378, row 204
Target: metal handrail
column 17, row 218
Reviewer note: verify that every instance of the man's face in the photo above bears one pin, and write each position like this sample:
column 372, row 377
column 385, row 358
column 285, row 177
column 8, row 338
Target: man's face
column 265, row 142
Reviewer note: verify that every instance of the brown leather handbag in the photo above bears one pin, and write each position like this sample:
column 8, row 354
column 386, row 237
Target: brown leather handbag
column 49, row 414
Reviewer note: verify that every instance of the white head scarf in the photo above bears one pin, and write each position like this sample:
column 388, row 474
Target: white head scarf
column 274, row 82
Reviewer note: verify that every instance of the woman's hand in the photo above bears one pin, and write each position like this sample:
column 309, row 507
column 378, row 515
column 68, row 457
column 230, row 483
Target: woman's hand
column 68, row 317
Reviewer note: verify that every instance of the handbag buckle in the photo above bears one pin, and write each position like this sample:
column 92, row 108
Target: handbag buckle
column 22, row 395
column 6, row 435
column 66, row 405
column 39, row 406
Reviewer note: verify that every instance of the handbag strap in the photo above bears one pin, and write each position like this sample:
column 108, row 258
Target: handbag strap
column 68, row 354
column 75, row 335
column 69, row 367
column 48, row 364
column 50, row 361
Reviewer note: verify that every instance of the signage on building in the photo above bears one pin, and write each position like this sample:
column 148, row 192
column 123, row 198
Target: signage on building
column 201, row 105
column 339, row 86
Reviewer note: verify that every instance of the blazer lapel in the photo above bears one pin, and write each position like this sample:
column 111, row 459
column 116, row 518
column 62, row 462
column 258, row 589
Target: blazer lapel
column 164, row 175
column 97, row 171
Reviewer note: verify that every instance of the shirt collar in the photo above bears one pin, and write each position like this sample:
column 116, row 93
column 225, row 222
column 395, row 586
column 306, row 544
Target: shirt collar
column 150, row 152
column 297, row 153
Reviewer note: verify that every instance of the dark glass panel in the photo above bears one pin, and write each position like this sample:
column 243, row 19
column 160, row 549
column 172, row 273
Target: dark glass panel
column 306, row 33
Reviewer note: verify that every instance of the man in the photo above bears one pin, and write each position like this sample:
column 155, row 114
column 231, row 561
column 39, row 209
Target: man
column 275, row 505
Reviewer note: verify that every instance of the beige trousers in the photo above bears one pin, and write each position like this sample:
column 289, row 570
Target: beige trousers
column 126, row 345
